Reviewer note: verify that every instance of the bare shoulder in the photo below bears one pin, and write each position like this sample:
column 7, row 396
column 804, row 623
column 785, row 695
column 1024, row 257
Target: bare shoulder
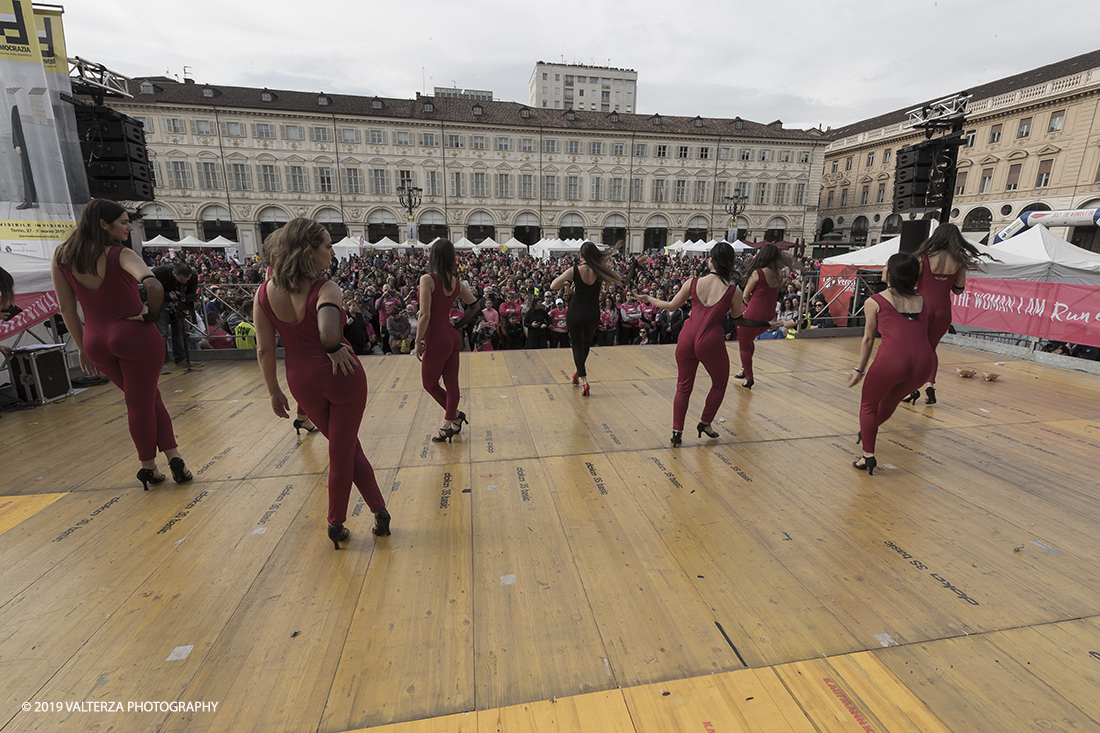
column 426, row 281
column 330, row 292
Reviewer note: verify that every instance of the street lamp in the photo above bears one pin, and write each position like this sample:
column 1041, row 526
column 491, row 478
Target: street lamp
column 735, row 204
column 410, row 198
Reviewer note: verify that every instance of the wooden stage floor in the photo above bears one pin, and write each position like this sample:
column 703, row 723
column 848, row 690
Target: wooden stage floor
column 560, row 567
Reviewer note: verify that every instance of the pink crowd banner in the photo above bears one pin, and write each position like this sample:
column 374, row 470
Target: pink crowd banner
column 37, row 307
column 1056, row 311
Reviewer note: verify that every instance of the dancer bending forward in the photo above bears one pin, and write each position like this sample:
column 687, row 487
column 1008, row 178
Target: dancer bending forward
column 900, row 314
column 702, row 340
column 323, row 372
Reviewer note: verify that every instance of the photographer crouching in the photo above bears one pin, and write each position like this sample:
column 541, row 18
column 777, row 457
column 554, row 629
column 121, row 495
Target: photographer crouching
column 181, row 295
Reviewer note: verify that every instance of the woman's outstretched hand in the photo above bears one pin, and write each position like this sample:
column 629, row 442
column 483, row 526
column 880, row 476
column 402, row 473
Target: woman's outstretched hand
column 343, row 360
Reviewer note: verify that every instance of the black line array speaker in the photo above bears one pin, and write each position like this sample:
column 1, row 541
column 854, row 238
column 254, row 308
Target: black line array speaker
column 115, row 156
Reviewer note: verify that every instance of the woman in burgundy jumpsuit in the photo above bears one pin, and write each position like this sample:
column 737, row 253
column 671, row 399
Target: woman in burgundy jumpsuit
column 900, row 314
column 762, row 298
column 324, row 375
column 701, row 340
column 438, row 343
column 119, row 335
column 944, row 258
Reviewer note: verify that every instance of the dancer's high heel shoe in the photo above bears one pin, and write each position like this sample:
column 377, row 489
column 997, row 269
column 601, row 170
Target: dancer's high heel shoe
column 299, row 424
column 338, row 533
column 930, row 395
column 584, row 390
column 576, row 381
column 381, row 526
column 748, row 383
column 912, row 396
column 149, row 476
column 705, row 428
column 859, row 437
column 677, row 437
column 180, row 474
column 868, row 465
column 739, row 375
column 457, row 422
column 445, row 435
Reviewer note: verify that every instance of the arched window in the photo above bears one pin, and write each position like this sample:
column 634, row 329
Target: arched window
column 859, row 229
column 892, row 225
column 1038, row 206
column 977, row 220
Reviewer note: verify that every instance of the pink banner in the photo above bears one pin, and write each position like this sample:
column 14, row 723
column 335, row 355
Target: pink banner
column 1054, row 311
column 37, row 307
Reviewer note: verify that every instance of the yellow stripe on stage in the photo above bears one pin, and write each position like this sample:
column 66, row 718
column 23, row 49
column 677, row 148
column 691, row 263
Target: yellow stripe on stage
column 15, row 509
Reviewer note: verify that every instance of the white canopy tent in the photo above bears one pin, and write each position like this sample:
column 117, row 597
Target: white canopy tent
column 487, row 243
column 465, row 245
column 190, row 241
column 31, row 274
column 385, row 243
column 1011, row 266
column 220, row 241
column 514, row 247
column 1066, row 263
column 697, row 248
column 346, row 247
column 160, row 241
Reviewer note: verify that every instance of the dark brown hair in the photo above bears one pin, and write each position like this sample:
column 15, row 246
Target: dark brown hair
column 947, row 238
column 597, row 260
column 441, row 261
column 89, row 240
column 770, row 257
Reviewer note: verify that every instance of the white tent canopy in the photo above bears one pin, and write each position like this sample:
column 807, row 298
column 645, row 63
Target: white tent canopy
column 465, row 245
column 1010, row 267
column 1066, row 263
column 160, row 241
column 220, row 241
column 487, row 243
column 31, row 274
column 514, row 246
column 385, row 243
column 190, row 241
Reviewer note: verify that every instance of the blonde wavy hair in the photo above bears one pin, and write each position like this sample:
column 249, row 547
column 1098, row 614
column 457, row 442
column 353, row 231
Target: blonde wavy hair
column 288, row 251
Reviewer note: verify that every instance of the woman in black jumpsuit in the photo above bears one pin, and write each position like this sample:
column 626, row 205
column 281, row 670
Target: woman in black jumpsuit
column 583, row 316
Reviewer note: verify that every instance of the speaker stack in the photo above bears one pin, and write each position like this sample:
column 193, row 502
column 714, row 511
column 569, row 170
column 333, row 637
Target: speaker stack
column 115, row 157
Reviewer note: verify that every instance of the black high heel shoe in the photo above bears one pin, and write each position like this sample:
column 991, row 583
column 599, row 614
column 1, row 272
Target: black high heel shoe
column 869, row 464
column 739, row 375
column 930, row 395
column 912, row 396
column 677, row 437
column 459, row 420
column 338, row 533
column 445, row 435
column 149, row 476
column 299, row 424
column 180, row 474
column 748, row 383
column 381, row 526
column 705, row 428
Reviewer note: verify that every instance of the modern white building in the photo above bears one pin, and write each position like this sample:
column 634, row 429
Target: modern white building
column 239, row 162
column 576, row 86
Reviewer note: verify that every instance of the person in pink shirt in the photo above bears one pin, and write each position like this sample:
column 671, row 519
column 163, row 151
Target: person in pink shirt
column 609, row 323
column 559, row 331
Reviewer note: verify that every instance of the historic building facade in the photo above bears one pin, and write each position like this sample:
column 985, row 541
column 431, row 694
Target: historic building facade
column 238, row 162
column 1032, row 143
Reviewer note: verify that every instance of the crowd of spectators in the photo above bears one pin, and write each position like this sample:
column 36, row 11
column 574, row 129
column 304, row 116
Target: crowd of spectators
column 517, row 310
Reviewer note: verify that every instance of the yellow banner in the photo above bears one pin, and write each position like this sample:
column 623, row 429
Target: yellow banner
column 51, row 40
column 38, row 231
column 18, row 37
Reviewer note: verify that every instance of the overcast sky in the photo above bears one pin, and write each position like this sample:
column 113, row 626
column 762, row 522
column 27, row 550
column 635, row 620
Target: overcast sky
column 827, row 62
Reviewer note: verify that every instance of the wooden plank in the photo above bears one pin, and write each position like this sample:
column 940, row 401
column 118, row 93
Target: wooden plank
column 179, row 591
column 273, row 664
column 745, row 701
column 596, row 711
column 457, row 723
column 498, row 428
column 767, row 615
column 15, row 509
column 535, row 636
column 891, row 704
column 972, row 684
column 409, row 648
column 557, row 428
column 652, row 622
